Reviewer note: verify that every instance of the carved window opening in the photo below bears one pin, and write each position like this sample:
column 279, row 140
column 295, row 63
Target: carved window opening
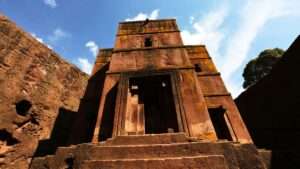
column 220, row 123
column 155, row 98
column 198, row 67
column 148, row 42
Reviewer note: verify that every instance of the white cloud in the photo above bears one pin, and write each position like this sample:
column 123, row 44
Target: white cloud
column 40, row 40
column 192, row 19
column 249, row 22
column 93, row 47
column 58, row 34
column 142, row 16
column 37, row 38
column 207, row 30
column 51, row 3
column 85, row 65
column 253, row 17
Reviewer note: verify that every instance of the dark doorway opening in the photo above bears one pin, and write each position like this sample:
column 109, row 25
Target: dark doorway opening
column 155, row 93
column 107, row 122
column 218, row 118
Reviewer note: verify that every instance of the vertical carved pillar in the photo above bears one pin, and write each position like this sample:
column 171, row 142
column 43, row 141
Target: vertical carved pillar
column 131, row 113
column 134, row 118
column 110, row 82
column 195, row 109
column 141, row 119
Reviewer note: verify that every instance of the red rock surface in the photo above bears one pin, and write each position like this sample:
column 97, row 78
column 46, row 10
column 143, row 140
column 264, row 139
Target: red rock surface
column 36, row 85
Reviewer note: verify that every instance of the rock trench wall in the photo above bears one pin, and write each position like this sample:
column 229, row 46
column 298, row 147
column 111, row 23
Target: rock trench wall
column 36, row 87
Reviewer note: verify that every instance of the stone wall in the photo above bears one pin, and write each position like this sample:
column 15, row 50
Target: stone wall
column 270, row 110
column 40, row 92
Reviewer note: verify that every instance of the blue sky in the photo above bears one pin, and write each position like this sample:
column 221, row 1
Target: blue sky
column 234, row 31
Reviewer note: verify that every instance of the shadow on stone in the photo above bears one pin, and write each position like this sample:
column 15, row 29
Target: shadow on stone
column 285, row 159
column 76, row 127
column 270, row 110
column 59, row 135
column 106, row 128
column 7, row 137
column 83, row 127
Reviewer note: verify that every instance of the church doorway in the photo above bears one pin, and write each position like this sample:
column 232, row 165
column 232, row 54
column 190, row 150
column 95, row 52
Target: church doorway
column 156, row 96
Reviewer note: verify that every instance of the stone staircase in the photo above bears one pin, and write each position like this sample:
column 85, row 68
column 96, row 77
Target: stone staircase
column 161, row 151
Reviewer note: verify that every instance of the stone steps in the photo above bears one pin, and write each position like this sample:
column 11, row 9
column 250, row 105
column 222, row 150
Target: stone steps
column 116, row 153
column 149, row 139
column 151, row 150
column 190, row 162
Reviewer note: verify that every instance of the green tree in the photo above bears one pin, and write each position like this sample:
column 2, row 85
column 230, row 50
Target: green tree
column 260, row 66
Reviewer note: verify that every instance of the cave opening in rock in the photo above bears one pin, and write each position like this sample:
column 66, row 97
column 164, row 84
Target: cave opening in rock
column 69, row 162
column 155, row 94
column 23, row 107
column 7, row 137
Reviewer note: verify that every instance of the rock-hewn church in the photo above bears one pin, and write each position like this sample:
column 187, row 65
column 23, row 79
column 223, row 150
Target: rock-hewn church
column 152, row 102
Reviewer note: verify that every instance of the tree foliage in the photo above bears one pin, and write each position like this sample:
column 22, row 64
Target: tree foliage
column 260, row 66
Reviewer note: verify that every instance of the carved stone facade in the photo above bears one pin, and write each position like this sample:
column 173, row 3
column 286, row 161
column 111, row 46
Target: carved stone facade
column 153, row 102
column 184, row 78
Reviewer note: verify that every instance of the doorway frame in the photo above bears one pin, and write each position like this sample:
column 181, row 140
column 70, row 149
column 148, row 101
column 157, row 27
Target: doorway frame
column 226, row 118
column 121, row 100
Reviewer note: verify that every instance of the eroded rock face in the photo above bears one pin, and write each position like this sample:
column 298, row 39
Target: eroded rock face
column 35, row 86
